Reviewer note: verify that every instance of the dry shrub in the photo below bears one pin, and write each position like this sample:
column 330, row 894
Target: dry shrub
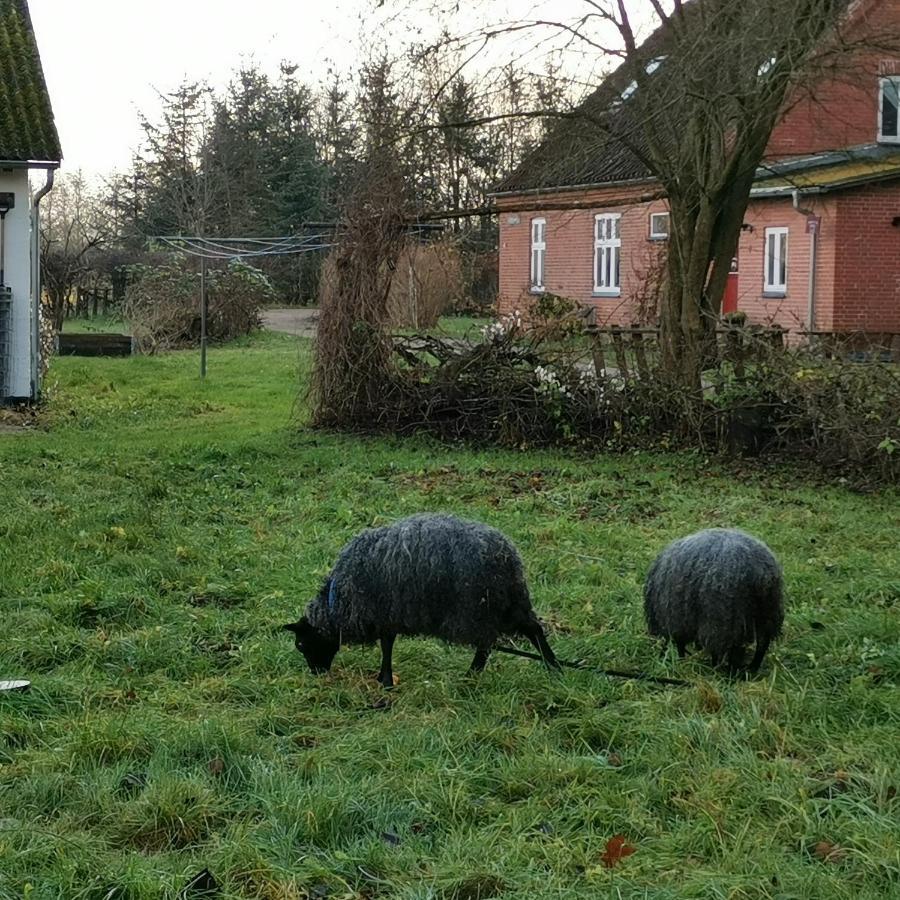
column 428, row 282
column 47, row 338
column 162, row 304
column 353, row 348
column 842, row 415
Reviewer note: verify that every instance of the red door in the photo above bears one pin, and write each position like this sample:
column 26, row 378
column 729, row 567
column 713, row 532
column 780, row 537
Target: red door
column 730, row 301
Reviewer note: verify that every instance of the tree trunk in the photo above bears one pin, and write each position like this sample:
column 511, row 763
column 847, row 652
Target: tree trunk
column 684, row 320
column 58, row 302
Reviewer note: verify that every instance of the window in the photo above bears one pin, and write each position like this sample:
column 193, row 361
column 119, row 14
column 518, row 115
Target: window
column 888, row 107
column 766, row 66
column 538, row 253
column 629, row 90
column 776, row 260
column 607, row 253
column 659, row 226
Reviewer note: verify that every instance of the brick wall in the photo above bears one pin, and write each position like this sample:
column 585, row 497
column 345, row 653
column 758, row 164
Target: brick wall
column 867, row 289
column 568, row 269
column 791, row 310
column 841, row 109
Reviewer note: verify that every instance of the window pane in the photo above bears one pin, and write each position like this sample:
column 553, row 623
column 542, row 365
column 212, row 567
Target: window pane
column 890, row 103
column 770, row 259
column 616, row 265
column 615, row 224
column 782, row 257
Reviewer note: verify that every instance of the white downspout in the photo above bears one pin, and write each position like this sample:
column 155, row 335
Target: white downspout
column 36, row 284
column 813, row 255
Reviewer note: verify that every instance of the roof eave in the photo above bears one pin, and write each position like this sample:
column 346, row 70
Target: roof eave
column 787, row 190
column 30, row 163
column 567, row 188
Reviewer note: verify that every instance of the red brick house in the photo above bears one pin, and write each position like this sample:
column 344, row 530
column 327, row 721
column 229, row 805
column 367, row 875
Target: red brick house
column 820, row 246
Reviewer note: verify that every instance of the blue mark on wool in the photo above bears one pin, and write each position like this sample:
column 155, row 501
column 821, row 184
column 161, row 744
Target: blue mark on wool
column 332, row 595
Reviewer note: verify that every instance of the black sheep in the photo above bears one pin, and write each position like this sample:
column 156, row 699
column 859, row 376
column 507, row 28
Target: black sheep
column 720, row 589
column 428, row 575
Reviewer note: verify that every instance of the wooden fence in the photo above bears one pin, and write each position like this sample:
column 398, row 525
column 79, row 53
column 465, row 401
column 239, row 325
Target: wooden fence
column 633, row 350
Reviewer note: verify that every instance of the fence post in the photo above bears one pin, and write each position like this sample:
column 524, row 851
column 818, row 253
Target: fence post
column 640, row 354
column 597, row 354
column 619, row 348
column 734, row 349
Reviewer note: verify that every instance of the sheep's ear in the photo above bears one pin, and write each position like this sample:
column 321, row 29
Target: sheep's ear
column 291, row 626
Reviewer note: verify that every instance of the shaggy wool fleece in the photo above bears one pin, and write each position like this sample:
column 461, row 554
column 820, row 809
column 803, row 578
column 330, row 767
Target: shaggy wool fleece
column 433, row 575
column 720, row 589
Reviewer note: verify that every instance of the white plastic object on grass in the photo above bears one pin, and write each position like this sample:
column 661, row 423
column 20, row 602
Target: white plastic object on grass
column 9, row 686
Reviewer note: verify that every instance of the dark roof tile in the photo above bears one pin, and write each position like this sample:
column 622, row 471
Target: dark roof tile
column 27, row 128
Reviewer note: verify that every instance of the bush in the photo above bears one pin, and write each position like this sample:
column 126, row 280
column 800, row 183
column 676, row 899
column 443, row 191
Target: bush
column 427, row 282
column 537, row 387
column 162, row 304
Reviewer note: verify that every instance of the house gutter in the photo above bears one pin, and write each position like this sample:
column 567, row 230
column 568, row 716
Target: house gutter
column 36, row 283
column 568, row 188
column 813, row 257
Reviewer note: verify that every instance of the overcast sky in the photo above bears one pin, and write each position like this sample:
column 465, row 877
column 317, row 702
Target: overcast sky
column 104, row 58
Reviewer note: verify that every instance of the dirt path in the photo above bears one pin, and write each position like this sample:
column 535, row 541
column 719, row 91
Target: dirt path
column 294, row 320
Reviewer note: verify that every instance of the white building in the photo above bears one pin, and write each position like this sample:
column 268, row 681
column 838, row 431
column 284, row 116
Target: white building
column 29, row 144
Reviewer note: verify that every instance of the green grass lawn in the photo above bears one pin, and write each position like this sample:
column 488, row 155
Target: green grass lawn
column 99, row 324
column 159, row 530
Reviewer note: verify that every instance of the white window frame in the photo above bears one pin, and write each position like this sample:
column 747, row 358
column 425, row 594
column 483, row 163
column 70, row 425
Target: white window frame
column 538, row 254
column 773, row 262
column 607, row 257
column 882, row 83
column 659, row 235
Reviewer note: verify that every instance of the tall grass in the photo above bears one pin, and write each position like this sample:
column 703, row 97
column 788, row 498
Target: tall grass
column 159, row 529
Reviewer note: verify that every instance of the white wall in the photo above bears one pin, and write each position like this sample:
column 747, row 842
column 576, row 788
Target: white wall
column 18, row 277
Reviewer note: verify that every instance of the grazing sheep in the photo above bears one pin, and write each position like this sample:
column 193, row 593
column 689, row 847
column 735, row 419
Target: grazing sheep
column 720, row 589
column 429, row 575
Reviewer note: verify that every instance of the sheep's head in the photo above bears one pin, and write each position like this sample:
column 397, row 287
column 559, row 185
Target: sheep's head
column 318, row 649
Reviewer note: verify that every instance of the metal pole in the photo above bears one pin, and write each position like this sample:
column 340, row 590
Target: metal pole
column 3, row 248
column 36, row 290
column 204, row 311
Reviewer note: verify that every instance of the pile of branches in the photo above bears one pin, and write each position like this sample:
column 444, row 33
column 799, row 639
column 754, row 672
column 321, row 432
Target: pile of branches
column 162, row 304
column 521, row 387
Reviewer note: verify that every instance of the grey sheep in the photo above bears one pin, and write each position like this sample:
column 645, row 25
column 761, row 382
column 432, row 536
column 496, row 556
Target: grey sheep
column 720, row 589
column 429, row 575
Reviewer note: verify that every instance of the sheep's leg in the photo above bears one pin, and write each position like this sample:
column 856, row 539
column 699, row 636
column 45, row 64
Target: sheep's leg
column 762, row 646
column 386, row 675
column 536, row 635
column 736, row 659
column 681, row 644
column 480, row 660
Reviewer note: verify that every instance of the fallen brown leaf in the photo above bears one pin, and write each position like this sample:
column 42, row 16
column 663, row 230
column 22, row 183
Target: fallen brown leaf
column 829, row 852
column 616, row 850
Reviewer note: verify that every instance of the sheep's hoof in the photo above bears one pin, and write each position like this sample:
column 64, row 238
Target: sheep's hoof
column 388, row 683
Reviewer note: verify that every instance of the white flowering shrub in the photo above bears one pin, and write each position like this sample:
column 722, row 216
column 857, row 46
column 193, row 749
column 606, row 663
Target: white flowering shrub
column 505, row 328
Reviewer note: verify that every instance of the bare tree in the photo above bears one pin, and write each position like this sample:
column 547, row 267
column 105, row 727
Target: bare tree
column 694, row 106
column 74, row 226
